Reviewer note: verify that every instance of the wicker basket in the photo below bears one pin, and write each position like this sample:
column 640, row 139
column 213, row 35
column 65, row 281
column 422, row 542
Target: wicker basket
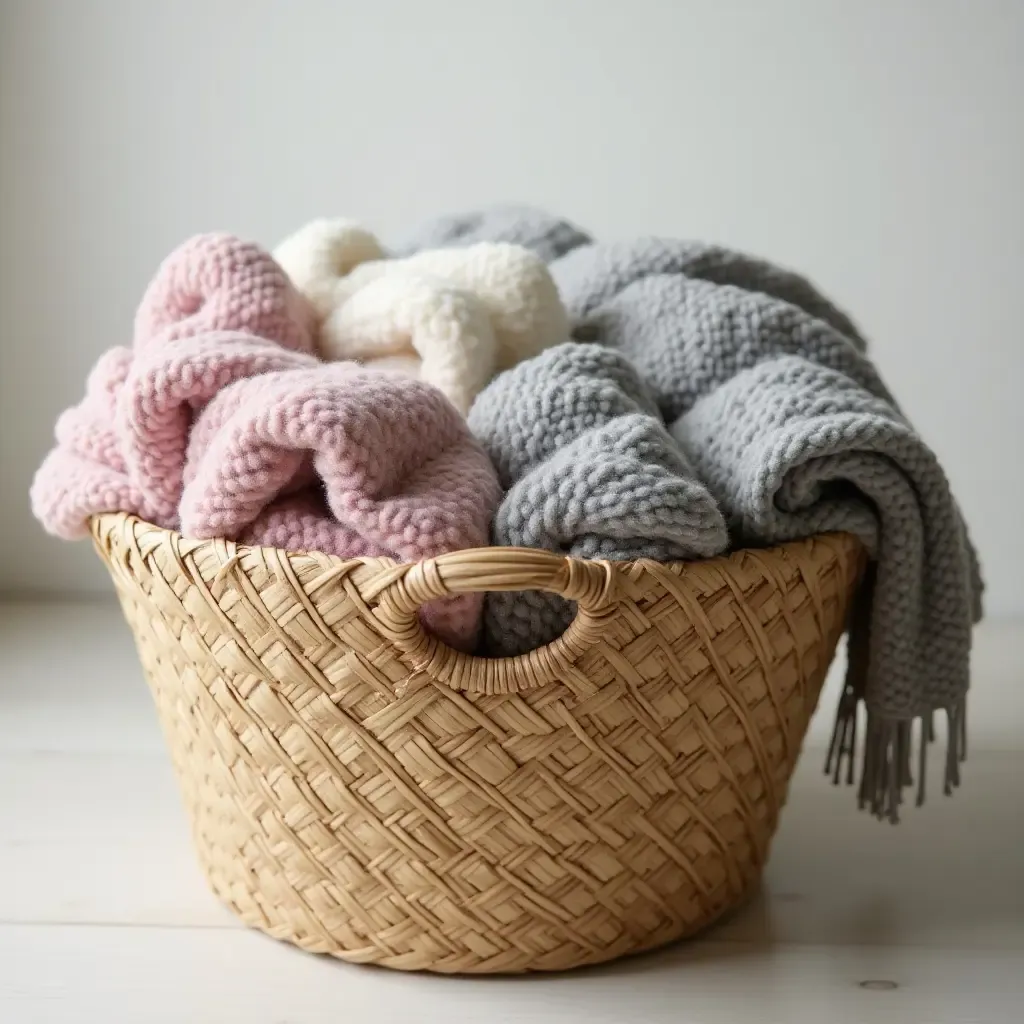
column 359, row 789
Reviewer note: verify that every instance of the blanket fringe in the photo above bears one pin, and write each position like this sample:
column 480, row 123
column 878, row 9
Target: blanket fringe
column 888, row 749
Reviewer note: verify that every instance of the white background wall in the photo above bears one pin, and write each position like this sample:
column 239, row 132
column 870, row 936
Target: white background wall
column 877, row 146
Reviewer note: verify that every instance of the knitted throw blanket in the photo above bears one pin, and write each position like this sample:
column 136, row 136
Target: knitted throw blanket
column 451, row 317
column 86, row 472
column 768, row 388
column 689, row 315
column 217, row 309
column 216, row 282
column 791, row 448
column 207, row 426
column 395, row 471
column 589, row 470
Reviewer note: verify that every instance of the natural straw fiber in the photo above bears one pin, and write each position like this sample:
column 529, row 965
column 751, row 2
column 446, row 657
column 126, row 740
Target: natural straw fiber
column 359, row 789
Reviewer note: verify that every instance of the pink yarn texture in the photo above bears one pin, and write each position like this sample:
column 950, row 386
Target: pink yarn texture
column 86, row 473
column 217, row 310
column 398, row 470
column 166, row 388
column 220, row 421
column 216, row 282
column 401, row 473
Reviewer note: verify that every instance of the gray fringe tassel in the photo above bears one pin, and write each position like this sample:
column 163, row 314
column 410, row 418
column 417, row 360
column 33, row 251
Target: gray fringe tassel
column 886, row 759
column 888, row 742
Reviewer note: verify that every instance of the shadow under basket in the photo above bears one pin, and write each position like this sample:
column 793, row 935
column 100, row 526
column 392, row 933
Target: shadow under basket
column 359, row 789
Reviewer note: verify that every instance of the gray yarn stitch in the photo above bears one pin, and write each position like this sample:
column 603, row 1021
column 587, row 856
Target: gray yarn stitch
column 791, row 449
column 686, row 335
column 591, row 275
column 768, row 388
column 591, row 471
column 547, row 236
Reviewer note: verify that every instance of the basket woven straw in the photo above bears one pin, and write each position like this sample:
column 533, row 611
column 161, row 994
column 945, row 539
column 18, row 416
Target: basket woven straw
column 359, row 789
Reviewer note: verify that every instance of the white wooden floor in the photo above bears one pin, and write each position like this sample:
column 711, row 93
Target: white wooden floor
column 104, row 916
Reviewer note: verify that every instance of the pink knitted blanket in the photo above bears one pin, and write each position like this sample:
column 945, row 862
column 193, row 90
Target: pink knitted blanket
column 86, row 472
column 219, row 421
column 167, row 387
column 216, row 282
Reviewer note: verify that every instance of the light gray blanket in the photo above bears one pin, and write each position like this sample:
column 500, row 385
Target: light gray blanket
column 791, row 448
column 589, row 470
column 690, row 315
column 769, row 390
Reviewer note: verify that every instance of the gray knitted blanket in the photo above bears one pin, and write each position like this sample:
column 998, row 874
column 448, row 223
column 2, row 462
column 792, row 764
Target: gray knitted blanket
column 589, row 470
column 791, row 448
column 768, row 389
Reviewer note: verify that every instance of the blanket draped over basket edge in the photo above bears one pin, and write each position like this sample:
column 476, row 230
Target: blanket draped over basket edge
column 769, row 388
column 696, row 318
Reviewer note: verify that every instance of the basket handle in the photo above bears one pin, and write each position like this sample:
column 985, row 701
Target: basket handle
column 591, row 584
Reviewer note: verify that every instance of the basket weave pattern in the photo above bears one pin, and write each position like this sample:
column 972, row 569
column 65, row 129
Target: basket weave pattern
column 360, row 790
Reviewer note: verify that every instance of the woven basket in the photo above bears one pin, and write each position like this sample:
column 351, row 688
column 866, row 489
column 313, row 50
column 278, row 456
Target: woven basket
column 359, row 789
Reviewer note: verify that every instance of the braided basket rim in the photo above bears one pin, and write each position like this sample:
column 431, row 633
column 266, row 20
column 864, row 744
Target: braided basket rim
column 405, row 586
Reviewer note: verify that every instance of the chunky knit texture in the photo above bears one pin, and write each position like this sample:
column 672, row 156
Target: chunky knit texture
column 590, row 471
column 417, row 501
column 217, row 282
column 594, row 274
column 167, row 386
column 453, row 318
column 396, row 465
column 86, row 474
column 417, row 326
column 218, row 309
column 511, row 284
column 792, row 426
column 547, row 236
column 208, row 427
column 320, row 254
column 690, row 315
column 789, row 449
